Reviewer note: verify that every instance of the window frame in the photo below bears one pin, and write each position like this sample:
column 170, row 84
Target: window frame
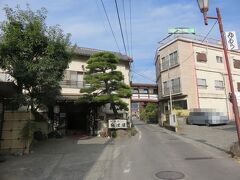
column 236, row 63
column 219, row 58
column 219, row 87
column 203, row 86
column 201, row 60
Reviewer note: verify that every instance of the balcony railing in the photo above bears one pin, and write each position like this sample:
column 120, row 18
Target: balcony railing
column 151, row 97
column 72, row 84
column 195, row 37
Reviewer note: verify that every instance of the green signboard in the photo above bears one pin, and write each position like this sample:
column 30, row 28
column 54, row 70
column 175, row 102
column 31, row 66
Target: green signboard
column 181, row 31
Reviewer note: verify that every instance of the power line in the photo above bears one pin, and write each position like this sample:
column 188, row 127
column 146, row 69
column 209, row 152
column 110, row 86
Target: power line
column 130, row 27
column 120, row 25
column 130, row 12
column 110, row 25
column 201, row 41
column 144, row 76
column 209, row 31
column 125, row 23
column 185, row 60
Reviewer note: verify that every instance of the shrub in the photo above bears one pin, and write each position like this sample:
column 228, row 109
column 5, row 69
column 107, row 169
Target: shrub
column 114, row 134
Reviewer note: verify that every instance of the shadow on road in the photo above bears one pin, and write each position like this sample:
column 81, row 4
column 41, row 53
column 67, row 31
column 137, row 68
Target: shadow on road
column 66, row 158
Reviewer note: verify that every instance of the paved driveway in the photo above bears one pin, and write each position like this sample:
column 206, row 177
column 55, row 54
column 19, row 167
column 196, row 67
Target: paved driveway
column 67, row 158
column 218, row 136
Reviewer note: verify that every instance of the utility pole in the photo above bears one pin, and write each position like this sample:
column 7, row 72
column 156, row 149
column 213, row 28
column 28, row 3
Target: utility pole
column 203, row 6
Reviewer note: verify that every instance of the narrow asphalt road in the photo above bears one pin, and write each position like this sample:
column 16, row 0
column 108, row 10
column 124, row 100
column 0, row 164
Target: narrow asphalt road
column 155, row 154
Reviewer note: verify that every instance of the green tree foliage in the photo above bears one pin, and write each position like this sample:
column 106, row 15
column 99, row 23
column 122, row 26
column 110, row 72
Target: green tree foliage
column 34, row 54
column 105, row 82
column 148, row 112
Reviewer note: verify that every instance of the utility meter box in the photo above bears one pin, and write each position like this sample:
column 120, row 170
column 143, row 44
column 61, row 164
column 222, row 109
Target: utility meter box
column 173, row 120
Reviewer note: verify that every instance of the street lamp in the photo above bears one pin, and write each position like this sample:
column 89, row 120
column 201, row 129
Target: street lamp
column 203, row 6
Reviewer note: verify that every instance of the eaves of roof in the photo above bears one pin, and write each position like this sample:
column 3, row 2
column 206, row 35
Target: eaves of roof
column 90, row 51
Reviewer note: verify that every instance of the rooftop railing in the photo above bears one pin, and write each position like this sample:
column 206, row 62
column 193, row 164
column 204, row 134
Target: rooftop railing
column 194, row 37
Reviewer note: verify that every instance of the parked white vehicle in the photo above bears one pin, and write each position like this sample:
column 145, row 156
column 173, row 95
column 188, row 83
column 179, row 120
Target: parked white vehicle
column 206, row 117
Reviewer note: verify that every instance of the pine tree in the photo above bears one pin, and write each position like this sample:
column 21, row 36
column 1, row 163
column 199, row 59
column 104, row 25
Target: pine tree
column 105, row 83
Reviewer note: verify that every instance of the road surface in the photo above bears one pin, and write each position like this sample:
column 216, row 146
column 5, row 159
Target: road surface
column 155, row 154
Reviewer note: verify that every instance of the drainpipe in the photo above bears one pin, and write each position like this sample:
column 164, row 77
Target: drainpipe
column 195, row 73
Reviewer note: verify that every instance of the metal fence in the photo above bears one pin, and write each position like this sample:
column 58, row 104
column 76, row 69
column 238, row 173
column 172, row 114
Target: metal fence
column 72, row 84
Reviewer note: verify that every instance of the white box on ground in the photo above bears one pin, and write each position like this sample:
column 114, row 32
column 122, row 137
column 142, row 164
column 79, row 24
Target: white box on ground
column 117, row 123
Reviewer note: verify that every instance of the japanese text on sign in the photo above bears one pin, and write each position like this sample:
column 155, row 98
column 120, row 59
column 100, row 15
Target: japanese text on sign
column 117, row 123
column 231, row 40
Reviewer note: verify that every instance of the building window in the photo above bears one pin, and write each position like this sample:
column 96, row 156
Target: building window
column 135, row 91
column 173, row 57
column 165, row 63
column 72, row 79
column 236, row 63
column 176, row 85
column 219, row 84
column 181, row 104
column 166, row 87
column 145, row 91
column 202, row 83
column 238, row 86
column 169, row 61
column 219, row 59
column 201, row 57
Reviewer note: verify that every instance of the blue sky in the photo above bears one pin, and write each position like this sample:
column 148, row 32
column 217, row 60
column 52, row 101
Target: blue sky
column 86, row 21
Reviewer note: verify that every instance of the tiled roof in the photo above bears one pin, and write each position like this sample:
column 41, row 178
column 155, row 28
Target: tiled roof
column 90, row 51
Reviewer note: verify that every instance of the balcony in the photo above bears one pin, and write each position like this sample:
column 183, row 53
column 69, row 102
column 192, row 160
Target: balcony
column 144, row 97
column 72, row 84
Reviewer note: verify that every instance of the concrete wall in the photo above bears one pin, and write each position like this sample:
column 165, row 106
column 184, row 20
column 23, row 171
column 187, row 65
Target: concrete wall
column 211, row 97
column 188, row 74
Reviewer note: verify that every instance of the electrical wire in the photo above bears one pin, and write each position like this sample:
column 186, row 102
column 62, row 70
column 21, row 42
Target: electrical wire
column 201, row 42
column 125, row 23
column 209, row 31
column 109, row 23
column 130, row 21
column 185, row 60
column 144, row 76
column 120, row 25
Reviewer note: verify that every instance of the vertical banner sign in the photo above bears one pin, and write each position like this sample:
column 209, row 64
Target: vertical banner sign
column 231, row 39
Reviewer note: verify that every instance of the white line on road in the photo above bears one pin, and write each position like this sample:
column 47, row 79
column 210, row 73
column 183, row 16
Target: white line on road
column 140, row 134
column 126, row 170
column 128, row 167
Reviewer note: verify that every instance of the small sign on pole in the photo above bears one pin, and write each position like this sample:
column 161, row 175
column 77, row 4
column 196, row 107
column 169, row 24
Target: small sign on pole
column 231, row 39
column 117, row 123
